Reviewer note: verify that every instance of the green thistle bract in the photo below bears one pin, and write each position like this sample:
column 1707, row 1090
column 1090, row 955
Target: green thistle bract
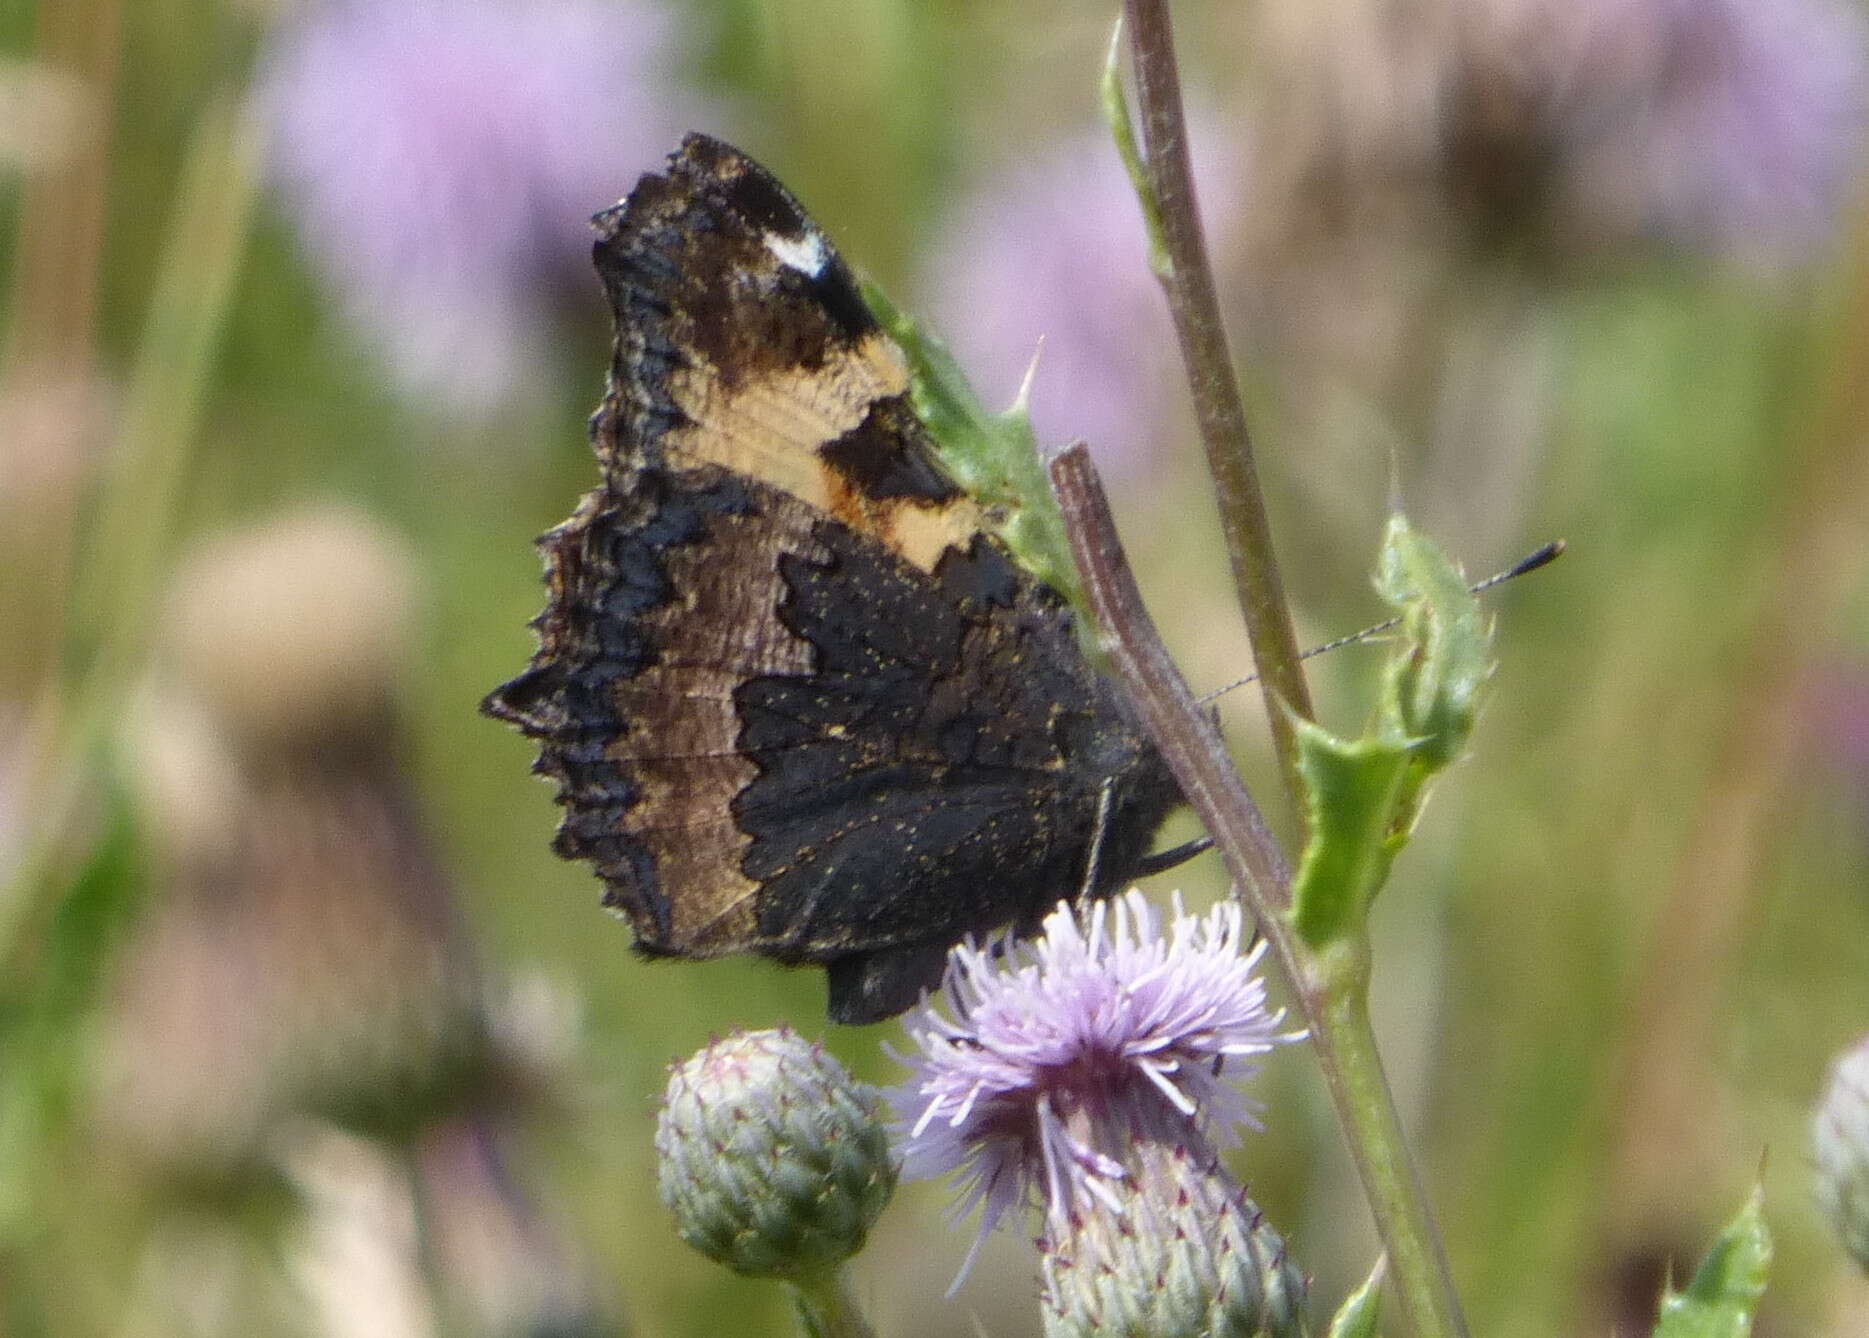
column 774, row 1161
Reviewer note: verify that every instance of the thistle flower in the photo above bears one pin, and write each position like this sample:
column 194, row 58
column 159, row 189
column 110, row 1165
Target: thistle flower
column 1841, row 1150
column 307, row 955
column 439, row 162
column 1732, row 127
column 1060, row 1059
column 305, row 968
column 774, row 1161
column 1569, row 129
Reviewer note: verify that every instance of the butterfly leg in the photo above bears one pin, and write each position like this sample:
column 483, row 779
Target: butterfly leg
column 1173, row 857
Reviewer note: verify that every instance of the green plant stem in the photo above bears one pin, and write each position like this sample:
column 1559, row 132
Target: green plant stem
column 1336, row 990
column 828, row 1307
column 1186, row 734
column 1123, row 132
column 1331, row 988
column 1194, row 304
column 159, row 423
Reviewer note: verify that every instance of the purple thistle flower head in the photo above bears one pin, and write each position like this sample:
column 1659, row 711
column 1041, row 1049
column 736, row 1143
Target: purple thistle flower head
column 440, row 162
column 1056, row 1057
column 1747, row 130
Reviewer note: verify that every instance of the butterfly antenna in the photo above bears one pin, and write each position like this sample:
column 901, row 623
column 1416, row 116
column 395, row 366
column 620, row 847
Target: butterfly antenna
column 1529, row 563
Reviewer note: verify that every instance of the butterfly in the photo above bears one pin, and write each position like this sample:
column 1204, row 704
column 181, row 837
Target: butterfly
column 797, row 697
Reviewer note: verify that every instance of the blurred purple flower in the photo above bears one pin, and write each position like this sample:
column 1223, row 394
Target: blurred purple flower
column 1065, row 1053
column 1840, row 1146
column 1837, row 716
column 1728, row 126
column 440, row 162
column 1051, row 249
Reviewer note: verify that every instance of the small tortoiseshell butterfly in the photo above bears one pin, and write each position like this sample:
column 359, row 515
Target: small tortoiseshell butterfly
column 798, row 699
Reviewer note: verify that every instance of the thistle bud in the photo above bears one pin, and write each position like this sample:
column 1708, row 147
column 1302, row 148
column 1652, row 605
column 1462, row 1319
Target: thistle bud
column 1841, row 1148
column 774, row 1161
column 1172, row 1250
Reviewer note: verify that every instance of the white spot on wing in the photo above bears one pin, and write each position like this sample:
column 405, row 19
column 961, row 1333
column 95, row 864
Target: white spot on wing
column 805, row 254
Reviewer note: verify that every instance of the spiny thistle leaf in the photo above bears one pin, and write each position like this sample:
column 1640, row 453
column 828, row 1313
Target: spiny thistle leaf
column 1432, row 687
column 1363, row 795
column 1352, row 791
column 1123, row 132
column 1356, row 1317
column 994, row 456
column 1726, row 1288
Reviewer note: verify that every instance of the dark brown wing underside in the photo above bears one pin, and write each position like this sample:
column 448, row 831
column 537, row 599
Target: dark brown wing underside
column 794, row 702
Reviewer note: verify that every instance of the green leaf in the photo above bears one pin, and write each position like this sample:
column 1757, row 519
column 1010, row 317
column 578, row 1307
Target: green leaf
column 1353, row 791
column 1362, row 796
column 1123, row 132
column 1726, row 1288
column 1433, row 687
column 1356, row 1317
column 993, row 456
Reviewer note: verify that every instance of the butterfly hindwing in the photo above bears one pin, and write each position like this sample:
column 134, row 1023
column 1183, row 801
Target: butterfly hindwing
column 796, row 700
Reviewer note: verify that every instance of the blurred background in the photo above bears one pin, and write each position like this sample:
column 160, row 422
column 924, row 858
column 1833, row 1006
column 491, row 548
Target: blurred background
column 303, row 1030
